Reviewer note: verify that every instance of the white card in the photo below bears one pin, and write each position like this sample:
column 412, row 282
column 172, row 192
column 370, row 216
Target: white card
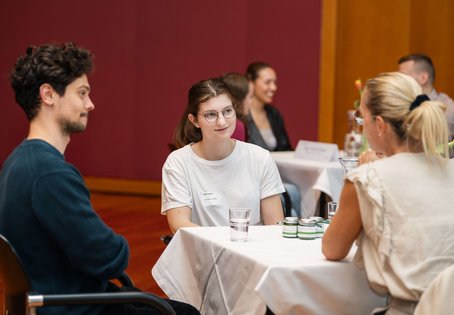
column 317, row 151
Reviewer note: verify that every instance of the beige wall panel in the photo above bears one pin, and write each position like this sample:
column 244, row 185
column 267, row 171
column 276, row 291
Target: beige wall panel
column 365, row 37
column 371, row 35
column 432, row 33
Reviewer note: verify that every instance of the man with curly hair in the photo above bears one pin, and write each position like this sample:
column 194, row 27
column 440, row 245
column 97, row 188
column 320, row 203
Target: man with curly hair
column 45, row 209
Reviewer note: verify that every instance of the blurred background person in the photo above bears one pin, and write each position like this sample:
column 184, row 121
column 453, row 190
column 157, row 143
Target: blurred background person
column 210, row 172
column 264, row 124
column 241, row 91
column 398, row 207
column 422, row 69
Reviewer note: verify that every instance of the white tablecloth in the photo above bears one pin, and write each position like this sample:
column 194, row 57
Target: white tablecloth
column 201, row 266
column 312, row 177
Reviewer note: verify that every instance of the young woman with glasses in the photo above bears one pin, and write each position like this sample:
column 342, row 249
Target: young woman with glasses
column 398, row 207
column 210, row 172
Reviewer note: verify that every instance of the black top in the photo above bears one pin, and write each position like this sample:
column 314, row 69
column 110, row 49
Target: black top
column 277, row 126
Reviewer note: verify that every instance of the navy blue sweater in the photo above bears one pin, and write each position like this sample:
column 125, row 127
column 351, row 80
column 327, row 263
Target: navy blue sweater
column 45, row 212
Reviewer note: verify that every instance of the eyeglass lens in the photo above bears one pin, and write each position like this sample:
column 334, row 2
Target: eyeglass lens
column 212, row 116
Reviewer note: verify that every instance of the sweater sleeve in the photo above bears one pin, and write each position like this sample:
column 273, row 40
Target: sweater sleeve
column 62, row 205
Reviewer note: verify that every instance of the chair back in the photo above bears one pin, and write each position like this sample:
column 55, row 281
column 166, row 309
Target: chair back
column 15, row 281
column 286, row 204
column 437, row 298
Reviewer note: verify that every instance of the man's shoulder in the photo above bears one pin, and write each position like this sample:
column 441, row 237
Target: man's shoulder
column 38, row 157
column 443, row 97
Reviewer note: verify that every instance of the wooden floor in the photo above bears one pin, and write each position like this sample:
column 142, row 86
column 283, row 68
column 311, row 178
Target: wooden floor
column 140, row 221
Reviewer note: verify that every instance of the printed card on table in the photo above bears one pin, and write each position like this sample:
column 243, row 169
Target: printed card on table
column 317, row 151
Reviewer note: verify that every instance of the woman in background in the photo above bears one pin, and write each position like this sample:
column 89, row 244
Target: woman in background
column 211, row 172
column 398, row 207
column 240, row 90
column 265, row 125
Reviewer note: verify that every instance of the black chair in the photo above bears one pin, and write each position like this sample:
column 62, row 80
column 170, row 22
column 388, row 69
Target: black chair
column 166, row 239
column 19, row 301
column 286, row 204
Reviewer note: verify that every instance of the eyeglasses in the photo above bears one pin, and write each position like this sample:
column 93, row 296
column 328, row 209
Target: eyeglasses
column 358, row 118
column 212, row 116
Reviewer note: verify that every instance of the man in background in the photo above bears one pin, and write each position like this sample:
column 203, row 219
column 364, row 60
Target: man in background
column 421, row 68
column 45, row 209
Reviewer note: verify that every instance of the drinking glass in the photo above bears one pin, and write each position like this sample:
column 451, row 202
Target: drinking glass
column 239, row 224
column 348, row 163
column 332, row 208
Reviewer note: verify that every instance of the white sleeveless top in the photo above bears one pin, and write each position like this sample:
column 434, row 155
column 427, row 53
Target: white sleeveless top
column 407, row 212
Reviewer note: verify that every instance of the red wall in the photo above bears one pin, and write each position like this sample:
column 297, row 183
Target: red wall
column 147, row 55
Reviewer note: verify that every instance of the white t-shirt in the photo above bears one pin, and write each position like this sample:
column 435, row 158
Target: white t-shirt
column 210, row 188
column 407, row 212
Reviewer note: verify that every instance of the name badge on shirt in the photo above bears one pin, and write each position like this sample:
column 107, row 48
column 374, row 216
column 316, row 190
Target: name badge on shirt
column 211, row 198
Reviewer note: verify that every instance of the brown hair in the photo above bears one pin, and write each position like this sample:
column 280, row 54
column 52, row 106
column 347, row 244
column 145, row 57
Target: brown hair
column 252, row 71
column 199, row 93
column 239, row 88
column 423, row 63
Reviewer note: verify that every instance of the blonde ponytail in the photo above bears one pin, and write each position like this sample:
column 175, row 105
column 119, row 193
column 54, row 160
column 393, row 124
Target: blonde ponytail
column 416, row 121
column 426, row 126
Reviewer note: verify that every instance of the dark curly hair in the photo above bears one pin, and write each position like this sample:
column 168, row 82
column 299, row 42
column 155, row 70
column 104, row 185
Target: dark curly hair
column 57, row 64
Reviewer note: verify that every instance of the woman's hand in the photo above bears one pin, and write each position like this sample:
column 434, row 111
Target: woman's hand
column 369, row 156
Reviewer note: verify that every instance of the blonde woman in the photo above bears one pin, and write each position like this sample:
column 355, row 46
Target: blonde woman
column 399, row 208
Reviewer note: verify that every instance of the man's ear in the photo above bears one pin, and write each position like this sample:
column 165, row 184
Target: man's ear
column 423, row 78
column 47, row 94
column 193, row 120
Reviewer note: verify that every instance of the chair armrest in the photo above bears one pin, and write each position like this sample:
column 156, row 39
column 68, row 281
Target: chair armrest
column 102, row 298
column 125, row 280
column 166, row 239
